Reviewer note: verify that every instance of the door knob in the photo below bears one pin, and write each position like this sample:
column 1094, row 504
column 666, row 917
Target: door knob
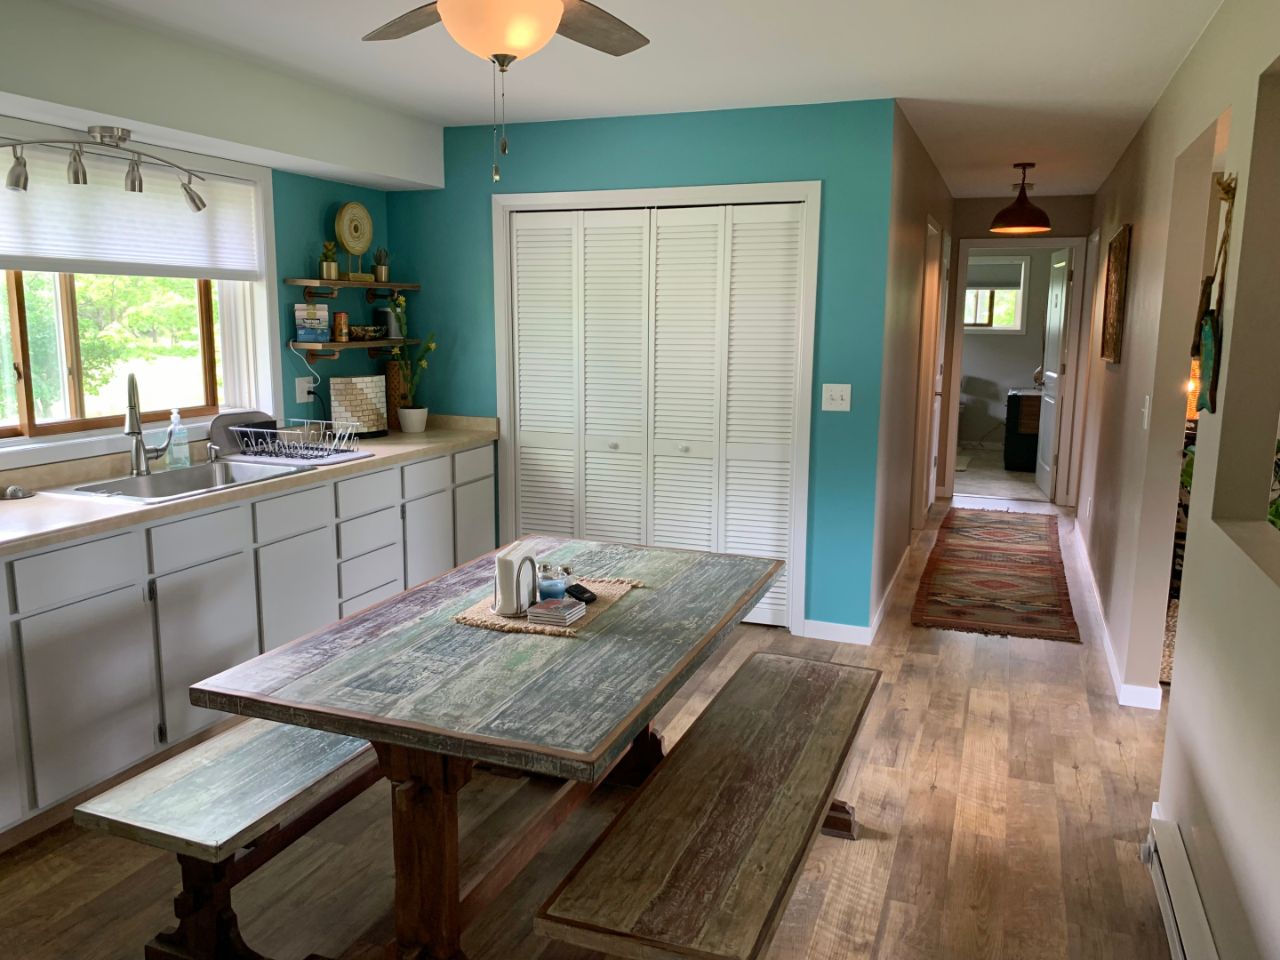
column 613, row 444
column 684, row 448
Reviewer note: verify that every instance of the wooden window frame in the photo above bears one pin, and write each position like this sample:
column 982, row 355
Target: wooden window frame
column 27, row 425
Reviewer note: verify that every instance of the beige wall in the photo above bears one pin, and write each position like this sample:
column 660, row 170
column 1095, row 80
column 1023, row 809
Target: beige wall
column 918, row 193
column 71, row 66
column 1221, row 778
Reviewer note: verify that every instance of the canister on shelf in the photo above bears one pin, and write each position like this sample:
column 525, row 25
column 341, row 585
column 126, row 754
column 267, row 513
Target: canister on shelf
column 341, row 327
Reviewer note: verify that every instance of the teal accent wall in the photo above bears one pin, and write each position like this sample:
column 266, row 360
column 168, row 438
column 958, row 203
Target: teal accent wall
column 305, row 209
column 443, row 238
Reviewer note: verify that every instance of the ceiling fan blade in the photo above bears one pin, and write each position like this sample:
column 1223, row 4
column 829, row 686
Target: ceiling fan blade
column 587, row 24
column 417, row 19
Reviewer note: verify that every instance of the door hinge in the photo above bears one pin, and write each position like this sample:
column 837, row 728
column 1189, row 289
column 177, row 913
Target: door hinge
column 151, row 591
column 1063, row 370
column 162, row 733
column 1055, row 460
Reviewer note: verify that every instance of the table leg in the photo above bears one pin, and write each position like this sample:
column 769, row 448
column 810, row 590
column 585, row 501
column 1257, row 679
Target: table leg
column 640, row 760
column 424, row 819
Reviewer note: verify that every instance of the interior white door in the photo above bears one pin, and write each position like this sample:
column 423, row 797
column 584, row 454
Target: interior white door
column 615, row 373
column 761, row 373
column 545, row 287
column 923, row 472
column 1054, row 368
column 687, row 334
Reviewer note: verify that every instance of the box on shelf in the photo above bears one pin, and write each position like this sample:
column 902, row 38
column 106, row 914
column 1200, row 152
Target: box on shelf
column 311, row 322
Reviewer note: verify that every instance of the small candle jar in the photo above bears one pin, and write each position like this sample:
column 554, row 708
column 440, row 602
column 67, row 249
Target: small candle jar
column 551, row 582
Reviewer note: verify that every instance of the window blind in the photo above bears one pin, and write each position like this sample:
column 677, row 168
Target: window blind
column 994, row 275
column 100, row 227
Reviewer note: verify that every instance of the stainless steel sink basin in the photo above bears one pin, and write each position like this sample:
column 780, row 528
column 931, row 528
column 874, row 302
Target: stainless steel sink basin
column 188, row 481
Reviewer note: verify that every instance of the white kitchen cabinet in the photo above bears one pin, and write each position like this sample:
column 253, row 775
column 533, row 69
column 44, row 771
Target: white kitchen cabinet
column 91, row 690
column 297, row 586
column 12, row 782
column 206, row 622
column 473, row 519
column 428, row 537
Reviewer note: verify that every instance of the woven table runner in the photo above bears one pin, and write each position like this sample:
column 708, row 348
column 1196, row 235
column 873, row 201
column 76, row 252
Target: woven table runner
column 607, row 591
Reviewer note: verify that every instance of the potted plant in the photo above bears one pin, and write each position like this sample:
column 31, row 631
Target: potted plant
column 413, row 418
column 329, row 260
column 381, row 271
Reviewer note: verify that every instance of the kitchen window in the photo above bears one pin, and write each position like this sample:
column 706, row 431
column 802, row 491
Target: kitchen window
column 69, row 341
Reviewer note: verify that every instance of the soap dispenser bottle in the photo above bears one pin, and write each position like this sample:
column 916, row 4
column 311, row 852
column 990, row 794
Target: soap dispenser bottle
column 180, row 446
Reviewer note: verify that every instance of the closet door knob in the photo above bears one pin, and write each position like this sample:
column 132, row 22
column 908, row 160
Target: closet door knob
column 684, row 448
column 613, row 444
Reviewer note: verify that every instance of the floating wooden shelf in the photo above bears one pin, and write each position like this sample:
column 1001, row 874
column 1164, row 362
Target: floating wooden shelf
column 314, row 288
column 331, row 350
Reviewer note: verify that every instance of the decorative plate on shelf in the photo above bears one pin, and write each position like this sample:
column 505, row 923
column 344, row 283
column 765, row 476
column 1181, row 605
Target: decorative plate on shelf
column 354, row 228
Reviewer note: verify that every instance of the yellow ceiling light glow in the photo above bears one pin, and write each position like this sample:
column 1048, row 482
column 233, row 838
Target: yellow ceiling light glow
column 515, row 29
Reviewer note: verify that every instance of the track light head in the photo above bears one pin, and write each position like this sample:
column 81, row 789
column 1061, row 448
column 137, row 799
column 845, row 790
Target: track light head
column 194, row 200
column 17, row 178
column 76, row 173
column 133, row 176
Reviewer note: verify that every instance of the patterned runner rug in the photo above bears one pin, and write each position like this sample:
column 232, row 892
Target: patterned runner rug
column 998, row 573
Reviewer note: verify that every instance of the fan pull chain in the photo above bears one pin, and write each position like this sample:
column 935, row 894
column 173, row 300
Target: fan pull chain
column 497, row 171
column 502, row 144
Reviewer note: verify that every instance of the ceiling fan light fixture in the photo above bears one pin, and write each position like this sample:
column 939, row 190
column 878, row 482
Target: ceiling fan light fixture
column 1022, row 217
column 486, row 28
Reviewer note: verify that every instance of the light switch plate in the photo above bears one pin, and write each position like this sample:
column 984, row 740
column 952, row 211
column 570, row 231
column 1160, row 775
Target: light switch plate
column 835, row 396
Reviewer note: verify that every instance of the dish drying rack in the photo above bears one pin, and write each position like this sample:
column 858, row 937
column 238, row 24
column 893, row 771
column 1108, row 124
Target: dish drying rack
column 300, row 440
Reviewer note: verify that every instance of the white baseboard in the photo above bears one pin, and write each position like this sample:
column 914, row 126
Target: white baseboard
column 838, row 632
column 887, row 596
column 1186, row 924
column 1127, row 694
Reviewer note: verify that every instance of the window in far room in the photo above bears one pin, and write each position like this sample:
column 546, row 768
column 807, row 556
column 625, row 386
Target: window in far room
column 994, row 295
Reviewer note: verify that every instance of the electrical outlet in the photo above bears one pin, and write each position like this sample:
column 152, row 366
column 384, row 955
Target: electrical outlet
column 302, row 389
column 835, row 396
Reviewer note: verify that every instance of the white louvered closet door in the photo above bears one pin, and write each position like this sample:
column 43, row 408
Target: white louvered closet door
column 688, row 335
column 615, row 310
column 762, row 387
column 545, row 291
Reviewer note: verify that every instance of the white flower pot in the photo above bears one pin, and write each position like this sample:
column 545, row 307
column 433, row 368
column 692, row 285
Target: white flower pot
column 413, row 419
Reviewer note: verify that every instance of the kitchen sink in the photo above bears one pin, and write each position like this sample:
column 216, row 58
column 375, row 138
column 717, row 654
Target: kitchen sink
column 183, row 482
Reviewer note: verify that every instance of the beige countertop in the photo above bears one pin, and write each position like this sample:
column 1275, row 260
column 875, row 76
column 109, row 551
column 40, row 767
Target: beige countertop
column 51, row 517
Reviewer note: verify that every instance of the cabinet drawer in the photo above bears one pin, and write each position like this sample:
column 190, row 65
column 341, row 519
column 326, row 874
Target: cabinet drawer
column 372, row 570
column 197, row 539
column 366, row 600
column 291, row 514
column 359, row 536
column 426, row 477
column 473, row 464
column 368, row 493
column 80, row 571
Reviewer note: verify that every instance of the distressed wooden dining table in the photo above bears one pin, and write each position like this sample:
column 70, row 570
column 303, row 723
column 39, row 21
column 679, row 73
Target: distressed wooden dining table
column 436, row 698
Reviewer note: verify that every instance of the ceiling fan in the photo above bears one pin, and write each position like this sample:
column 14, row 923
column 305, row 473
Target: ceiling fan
column 515, row 29
column 503, row 31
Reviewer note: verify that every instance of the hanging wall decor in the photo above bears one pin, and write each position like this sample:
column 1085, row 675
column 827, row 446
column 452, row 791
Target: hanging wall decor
column 1117, row 285
column 1206, row 344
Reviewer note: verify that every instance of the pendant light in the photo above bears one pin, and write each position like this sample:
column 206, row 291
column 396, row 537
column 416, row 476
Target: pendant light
column 1022, row 217
column 17, row 178
column 76, row 172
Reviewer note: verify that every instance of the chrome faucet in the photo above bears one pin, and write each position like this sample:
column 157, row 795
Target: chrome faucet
column 140, row 455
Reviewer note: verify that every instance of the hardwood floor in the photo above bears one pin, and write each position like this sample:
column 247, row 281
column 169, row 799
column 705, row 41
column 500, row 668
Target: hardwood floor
column 1001, row 793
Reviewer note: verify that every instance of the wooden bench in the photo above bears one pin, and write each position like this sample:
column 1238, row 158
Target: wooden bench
column 702, row 862
column 226, row 807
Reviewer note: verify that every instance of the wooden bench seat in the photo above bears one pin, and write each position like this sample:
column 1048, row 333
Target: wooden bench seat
column 226, row 807
column 703, row 860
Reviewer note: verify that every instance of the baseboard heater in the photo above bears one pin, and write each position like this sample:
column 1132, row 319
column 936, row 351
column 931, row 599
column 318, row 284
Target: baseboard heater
column 1185, row 922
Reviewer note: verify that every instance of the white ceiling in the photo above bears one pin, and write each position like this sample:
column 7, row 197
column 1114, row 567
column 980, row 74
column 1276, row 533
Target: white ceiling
column 984, row 82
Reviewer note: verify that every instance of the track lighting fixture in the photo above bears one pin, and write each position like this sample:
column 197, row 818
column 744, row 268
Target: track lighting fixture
column 102, row 140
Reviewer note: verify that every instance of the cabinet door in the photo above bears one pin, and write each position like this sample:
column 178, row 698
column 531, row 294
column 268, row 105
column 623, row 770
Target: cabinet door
column 428, row 537
column 762, row 384
column 207, row 622
column 473, row 519
column 12, row 782
column 91, row 690
column 545, row 272
column 615, row 311
column 689, row 318
column 297, row 586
